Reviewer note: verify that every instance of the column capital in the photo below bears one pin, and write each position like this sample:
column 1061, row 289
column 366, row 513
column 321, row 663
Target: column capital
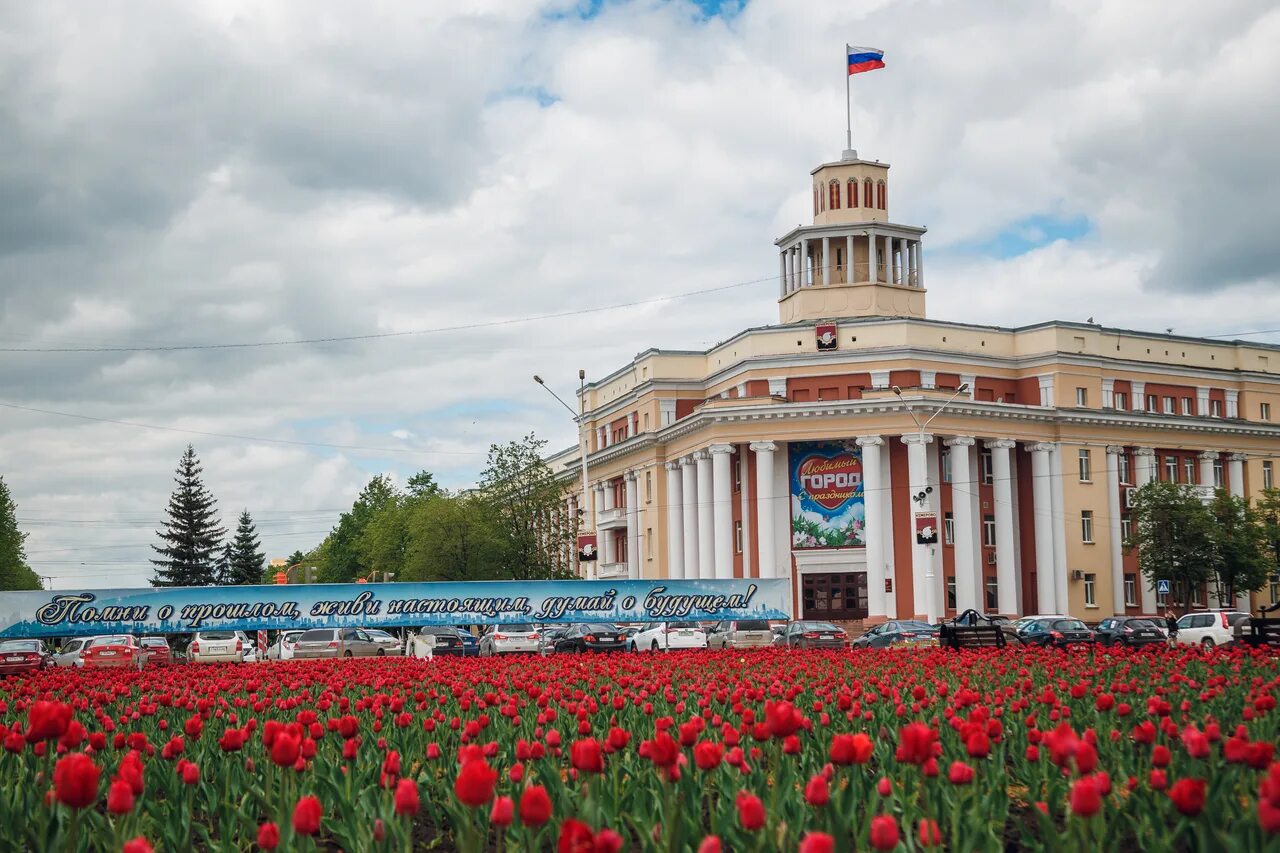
column 869, row 441
column 763, row 446
column 917, row 438
column 959, row 441
column 1239, row 457
column 1000, row 444
column 1209, row 455
column 720, row 448
column 671, row 466
column 1144, row 451
column 597, row 487
column 686, row 461
column 1041, row 447
column 630, row 476
column 699, row 455
column 1116, row 449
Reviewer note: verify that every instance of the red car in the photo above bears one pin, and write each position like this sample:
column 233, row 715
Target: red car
column 18, row 656
column 118, row 650
column 157, row 649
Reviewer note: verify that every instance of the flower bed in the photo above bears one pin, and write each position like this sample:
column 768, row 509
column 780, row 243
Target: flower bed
column 1011, row 749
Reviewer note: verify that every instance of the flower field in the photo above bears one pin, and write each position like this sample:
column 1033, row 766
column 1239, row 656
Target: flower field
column 818, row 751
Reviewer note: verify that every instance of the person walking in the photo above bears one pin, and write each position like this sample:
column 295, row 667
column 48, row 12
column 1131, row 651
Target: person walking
column 1172, row 623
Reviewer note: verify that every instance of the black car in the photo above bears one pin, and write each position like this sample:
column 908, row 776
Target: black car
column 898, row 632
column 1129, row 631
column 592, row 637
column 445, row 640
column 1055, row 633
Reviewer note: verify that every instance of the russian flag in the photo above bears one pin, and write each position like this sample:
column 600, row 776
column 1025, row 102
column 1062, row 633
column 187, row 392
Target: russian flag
column 864, row 59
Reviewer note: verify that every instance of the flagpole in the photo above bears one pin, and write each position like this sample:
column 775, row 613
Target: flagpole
column 848, row 111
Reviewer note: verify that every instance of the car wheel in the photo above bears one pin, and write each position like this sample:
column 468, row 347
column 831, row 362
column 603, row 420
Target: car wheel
column 346, row 654
column 382, row 652
column 1207, row 642
column 654, row 647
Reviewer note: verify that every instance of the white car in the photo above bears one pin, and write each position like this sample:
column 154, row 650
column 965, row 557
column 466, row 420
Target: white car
column 509, row 640
column 389, row 643
column 662, row 636
column 217, row 647
column 72, row 653
column 1214, row 628
column 282, row 648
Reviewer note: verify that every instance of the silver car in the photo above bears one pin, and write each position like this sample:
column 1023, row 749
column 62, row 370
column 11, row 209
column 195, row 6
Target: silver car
column 510, row 640
column 72, row 653
column 336, row 642
column 389, row 643
column 742, row 634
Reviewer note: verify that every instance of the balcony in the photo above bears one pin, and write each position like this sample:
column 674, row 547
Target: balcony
column 611, row 571
column 611, row 519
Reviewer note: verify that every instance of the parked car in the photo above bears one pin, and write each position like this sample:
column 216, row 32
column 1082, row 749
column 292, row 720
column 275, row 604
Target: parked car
column 116, row 650
column 899, row 632
column 470, row 644
column 1209, row 629
column 1129, row 631
column 216, row 647
column 815, row 635
column 18, row 656
column 548, row 636
column 72, row 652
column 390, row 644
column 336, row 642
column 282, row 648
column 740, row 634
column 509, row 640
column 1055, row 633
column 1012, row 628
column 158, row 651
column 592, row 637
column 779, row 634
column 663, row 636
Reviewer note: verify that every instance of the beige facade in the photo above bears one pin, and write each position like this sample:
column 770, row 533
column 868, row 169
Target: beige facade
column 1037, row 434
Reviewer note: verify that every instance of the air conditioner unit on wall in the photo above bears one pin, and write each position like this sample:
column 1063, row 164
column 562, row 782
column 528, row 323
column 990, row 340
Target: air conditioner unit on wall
column 1128, row 497
column 1077, row 574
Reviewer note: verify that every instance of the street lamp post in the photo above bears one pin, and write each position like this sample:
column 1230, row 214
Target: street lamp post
column 931, row 594
column 580, row 418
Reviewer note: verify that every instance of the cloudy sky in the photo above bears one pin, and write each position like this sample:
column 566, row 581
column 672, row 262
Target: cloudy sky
column 177, row 174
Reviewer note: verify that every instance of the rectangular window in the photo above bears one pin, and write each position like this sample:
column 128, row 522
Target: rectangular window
column 1130, row 590
column 1275, row 592
column 1122, row 400
column 989, row 531
column 1086, row 466
column 648, row 487
column 993, row 595
column 948, row 529
column 646, row 421
column 1189, row 470
column 1170, row 406
column 737, row 471
column 648, row 542
column 986, row 467
column 1082, row 397
column 1153, row 403
column 737, row 537
column 1264, row 411
column 1267, row 481
column 1126, row 527
column 945, row 465
column 1090, row 590
column 951, row 593
column 1186, row 406
column 1219, row 476
column 1086, row 526
column 1122, row 461
column 1171, row 469
column 1215, row 408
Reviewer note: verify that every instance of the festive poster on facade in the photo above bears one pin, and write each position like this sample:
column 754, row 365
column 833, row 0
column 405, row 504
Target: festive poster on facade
column 827, row 507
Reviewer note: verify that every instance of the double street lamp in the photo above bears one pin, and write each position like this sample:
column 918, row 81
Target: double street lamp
column 580, row 418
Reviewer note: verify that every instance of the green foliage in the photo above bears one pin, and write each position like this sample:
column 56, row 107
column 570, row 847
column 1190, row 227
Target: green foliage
column 525, row 496
column 1242, row 562
column 14, row 572
column 245, row 561
column 191, row 538
column 343, row 563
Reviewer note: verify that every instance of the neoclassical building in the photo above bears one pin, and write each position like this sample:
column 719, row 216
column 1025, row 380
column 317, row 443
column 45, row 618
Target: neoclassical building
column 891, row 465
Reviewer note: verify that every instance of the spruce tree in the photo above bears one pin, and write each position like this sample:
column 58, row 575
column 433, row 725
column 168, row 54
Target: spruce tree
column 14, row 571
column 245, row 560
column 191, row 538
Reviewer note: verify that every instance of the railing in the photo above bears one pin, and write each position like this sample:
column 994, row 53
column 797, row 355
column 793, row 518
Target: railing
column 861, row 275
column 609, row 571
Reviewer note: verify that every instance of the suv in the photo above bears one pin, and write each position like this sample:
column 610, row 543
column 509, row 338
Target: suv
column 743, row 634
column 216, row 647
column 1214, row 628
column 509, row 640
column 669, row 635
column 336, row 642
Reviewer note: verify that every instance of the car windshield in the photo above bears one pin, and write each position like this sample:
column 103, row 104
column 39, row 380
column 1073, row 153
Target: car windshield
column 1140, row 623
column 19, row 646
column 216, row 635
column 378, row 635
column 290, row 636
column 1069, row 625
column 753, row 625
column 154, row 641
column 317, row 635
column 683, row 625
column 111, row 641
column 914, row 626
column 819, row 626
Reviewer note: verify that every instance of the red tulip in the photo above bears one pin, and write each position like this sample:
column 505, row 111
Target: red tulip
column 750, row 811
column 306, row 816
column 1086, row 799
column 503, row 811
column 190, row 774
column 285, row 749
column 851, row 749
column 137, row 845
column 475, row 782
column 960, row 773
column 535, row 806
column 119, row 797
column 1188, row 796
column 817, row 792
column 817, row 842
column 782, row 719
column 710, row 844
column 47, row 720
column 928, row 833
column 884, row 832
column 406, row 797
column 708, row 754
column 268, row 836
column 75, row 780
column 915, row 744
column 884, row 787
column 587, row 756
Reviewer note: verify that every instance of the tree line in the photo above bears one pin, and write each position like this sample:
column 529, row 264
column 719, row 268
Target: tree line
column 14, row 572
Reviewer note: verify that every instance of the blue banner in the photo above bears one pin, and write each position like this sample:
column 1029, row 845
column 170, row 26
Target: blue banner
column 181, row 610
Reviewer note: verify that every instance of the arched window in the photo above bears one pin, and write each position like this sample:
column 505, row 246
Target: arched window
column 868, row 199
column 853, row 192
column 880, row 195
column 834, row 192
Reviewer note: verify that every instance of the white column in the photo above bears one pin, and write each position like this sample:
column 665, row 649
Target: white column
column 1006, row 566
column 633, row 526
column 888, row 259
column 920, row 282
column 706, row 530
column 827, row 268
column 848, row 259
column 904, row 265
column 1207, row 458
column 969, row 593
column 764, row 508
column 782, row 273
column 871, row 256
column 1042, row 499
column 873, row 496
column 1059, row 530
column 1145, row 463
column 744, row 507
column 924, row 598
column 1114, row 511
column 675, row 524
column 607, row 550
column 1235, row 474
column 689, row 511
column 722, row 508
